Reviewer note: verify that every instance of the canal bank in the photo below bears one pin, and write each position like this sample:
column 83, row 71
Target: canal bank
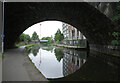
column 106, row 49
column 109, row 50
column 66, row 46
column 17, row 67
column 0, row 67
column 71, row 47
column 32, row 71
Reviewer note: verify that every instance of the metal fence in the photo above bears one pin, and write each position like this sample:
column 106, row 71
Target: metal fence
column 80, row 42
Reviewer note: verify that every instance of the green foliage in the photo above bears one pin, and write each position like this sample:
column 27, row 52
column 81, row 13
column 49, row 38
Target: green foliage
column 57, row 41
column 27, row 38
column 116, row 35
column 35, row 51
column 49, row 48
column 118, row 8
column 115, row 42
column 59, row 54
column 116, row 17
column 20, row 45
column 32, row 48
column 0, row 55
column 58, row 36
column 29, row 46
column 24, row 37
column 35, row 36
column 47, row 38
column 117, row 38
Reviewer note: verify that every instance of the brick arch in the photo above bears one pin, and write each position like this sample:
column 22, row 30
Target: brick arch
column 94, row 25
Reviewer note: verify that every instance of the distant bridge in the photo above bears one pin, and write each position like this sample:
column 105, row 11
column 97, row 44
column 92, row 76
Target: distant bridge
column 43, row 41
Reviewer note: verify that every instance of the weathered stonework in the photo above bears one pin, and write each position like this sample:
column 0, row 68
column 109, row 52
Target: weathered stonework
column 96, row 27
column 107, row 49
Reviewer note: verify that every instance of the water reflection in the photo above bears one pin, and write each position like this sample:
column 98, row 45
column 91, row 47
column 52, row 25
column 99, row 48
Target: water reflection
column 34, row 50
column 54, row 62
column 50, row 48
column 73, row 60
column 59, row 53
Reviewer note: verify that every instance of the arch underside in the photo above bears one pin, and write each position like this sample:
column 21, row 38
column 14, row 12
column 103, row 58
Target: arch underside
column 93, row 24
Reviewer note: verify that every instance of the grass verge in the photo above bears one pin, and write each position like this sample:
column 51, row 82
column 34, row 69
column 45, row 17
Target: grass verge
column 29, row 46
column 20, row 45
column 1, row 56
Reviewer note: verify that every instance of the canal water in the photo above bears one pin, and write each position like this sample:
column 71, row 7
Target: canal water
column 70, row 64
column 56, row 62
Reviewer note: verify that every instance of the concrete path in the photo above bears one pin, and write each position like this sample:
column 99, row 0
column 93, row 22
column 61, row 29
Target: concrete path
column 13, row 69
column 16, row 67
column 0, row 68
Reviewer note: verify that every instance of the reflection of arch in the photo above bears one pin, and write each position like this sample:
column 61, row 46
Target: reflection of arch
column 93, row 24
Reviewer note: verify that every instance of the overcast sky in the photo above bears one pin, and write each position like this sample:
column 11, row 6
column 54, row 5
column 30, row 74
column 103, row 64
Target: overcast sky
column 48, row 28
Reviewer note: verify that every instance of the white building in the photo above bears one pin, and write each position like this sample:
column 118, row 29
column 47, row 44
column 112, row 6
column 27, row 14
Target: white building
column 71, row 33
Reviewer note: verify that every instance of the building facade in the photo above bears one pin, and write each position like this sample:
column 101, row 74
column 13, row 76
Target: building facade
column 71, row 35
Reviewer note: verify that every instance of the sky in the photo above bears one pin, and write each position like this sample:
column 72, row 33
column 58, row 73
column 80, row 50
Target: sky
column 48, row 28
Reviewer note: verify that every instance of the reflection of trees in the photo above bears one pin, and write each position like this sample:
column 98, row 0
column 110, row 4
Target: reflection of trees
column 47, row 48
column 28, row 51
column 33, row 50
column 59, row 54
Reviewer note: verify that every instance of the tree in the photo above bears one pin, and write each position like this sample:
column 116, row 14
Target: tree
column 35, row 36
column 58, row 36
column 24, row 37
column 47, row 38
column 27, row 38
column 35, row 51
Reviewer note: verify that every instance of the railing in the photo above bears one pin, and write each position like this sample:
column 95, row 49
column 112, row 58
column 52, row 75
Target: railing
column 78, row 43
